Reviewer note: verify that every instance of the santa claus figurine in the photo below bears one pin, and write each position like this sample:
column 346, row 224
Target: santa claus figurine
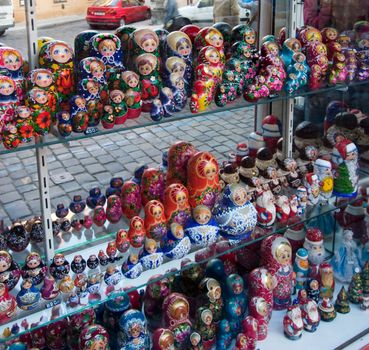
column 314, row 244
column 255, row 141
column 292, row 323
column 323, row 170
column 283, row 209
column 311, row 183
column 310, row 315
column 266, row 209
column 271, row 131
column 345, row 166
column 259, row 309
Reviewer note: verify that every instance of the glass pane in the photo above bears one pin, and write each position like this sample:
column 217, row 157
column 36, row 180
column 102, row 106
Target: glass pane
column 106, row 3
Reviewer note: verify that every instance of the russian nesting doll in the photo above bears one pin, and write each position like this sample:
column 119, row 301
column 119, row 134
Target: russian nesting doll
column 133, row 326
column 152, row 256
column 8, row 98
column 11, row 63
column 163, row 339
column 23, row 122
column 155, row 221
column 210, row 55
column 152, row 185
column 210, row 36
column 177, row 207
column 131, row 199
column 79, row 114
column 81, row 45
column 203, row 179
column 144, row 41
column 131, row 86
column 34, row 268
column 58, row 57
column 124, row 34
column 178, row 157
column 64, row 123
column 178, row 87
column 136, row 232
column 147, row 66
column 176, row 244
column 8, row 303
column 9, row 270
column 276, row 253
column 120, row 107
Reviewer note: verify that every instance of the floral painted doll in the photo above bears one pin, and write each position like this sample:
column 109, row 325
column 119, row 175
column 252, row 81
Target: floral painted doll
column 11, row 62
column 81, row 45
column 93, row 67
column 44, row 79
column 23, row 120
column 177, row 207
column 8, row 98
column 148, row 69
column 144, row 41
column 131, row 199
column 79, row 113
column 211, row 56
column 131, row 86
column 58, row 57
column 155, row 220
column 178, row 86
column 152, row 185
column 227, row 90
column 213, row 37
column 203, row 179
column 124, row 34
column 38, row 101
column 248, row 60
column 107, row 47
column 297, row 73
column 119, row 105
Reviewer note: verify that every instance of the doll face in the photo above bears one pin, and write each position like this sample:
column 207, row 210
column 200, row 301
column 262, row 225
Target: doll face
column 351, row 155
column 65, row 116
column 216, row 40
column 6, row 88
column 157, row 212
column 80, row 103
column 179, row 69
column 149, row 45
column 213, row 56
column 239, row 196
column 273, row 49
column 24, row 112
column 98, row 345
column 133, row 258
column 43, row 79
column 138, row 225
column 178, row 231
column 59, row 260
column 210, row 171
column 184, row 49
column 77, row 259
column 33, row 263
column 181, row 198
column 92, row 87
column 40, row 96
column 97, row 70
column 27, row 284
column 107, row 48
column 246, row 52
column 145, row 69
column 314, row 285
column 61, row 53
column 180, row 84
column 4, row 265
column 283, row 254
column 132, row 82
column 202, row 215
column 150, row 246
column 249, row 37
column 331, row 34
column 180, row 313
column 207, row 317
column 135, row 331
column 12, row 62
column 117, row 99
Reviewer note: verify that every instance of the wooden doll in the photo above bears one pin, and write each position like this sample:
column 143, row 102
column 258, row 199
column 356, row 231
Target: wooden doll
column 177, row 207
column 213, row 37
column 155, row 221
column 147, row 66
column 131, row 199
column 144, row 41
column 203, row 179
column 59, row 58
column 79, row 114
column 137, row 232
column 152, row 185
column 131, row 86
column 81, row 45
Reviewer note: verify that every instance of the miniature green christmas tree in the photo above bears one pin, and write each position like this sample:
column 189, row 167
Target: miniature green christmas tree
column 342, row 304
column 343, row 183
column 355, row 290
column 365, row 278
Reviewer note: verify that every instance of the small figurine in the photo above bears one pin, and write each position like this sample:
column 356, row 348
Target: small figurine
column 103, row 258
column 78, row 264
column 342, row 304
column 49, row 289
column 365, row 277
column 163, row 339
column 346, row 258
column 112, row 276
column 7, row 302
column 29, row 296
column 310, row 315
column 292, row 322
column 301, row 268
column 18, row 238
column 133, row 325
column 122, row 241
column 266, row 209
column 119, row 105
column 224, row 336
column 92, row 262
column 60, row 267
column 364, row 303
column 176, row 205
column 66, row 285
column 205, row 326
column 87, row 222
column 92, row 337
column 234, row 213
column 176, row 317
column 95, row 198
column 131, row 199
column 131, row 86
column 355, row 290
column 326, row 280
column 155, row 221
column 113, row 208
column 211, row 297
column 136, row 232
column 10, row 271
column 108, row 119
column 311, row 183
column 132, row 268
column 80, row 282
column 276, row 253
column 77, row 205
column 326, row 310
column 99, row 216
column 314, row 244
column 345, row 158
column 259, row 309
column 152, row 256
column 202, row 229
column 176, row 244
column 34, row 268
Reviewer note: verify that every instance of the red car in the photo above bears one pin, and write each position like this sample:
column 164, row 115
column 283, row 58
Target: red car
column 115, row 13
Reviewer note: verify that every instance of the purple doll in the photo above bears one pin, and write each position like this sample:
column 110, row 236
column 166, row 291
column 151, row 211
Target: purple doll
column 50, row 289
column 79, row 113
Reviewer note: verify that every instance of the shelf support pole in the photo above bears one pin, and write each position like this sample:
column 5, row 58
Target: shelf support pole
column 41, row 152
column 289, row 104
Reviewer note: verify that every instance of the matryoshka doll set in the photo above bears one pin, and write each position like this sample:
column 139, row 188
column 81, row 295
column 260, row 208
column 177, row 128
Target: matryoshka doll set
column 58, row 56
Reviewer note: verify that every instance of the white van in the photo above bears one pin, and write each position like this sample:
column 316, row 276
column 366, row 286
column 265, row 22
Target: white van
column 6, row 15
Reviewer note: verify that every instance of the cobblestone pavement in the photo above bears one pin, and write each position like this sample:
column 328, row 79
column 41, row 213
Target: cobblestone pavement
column 92, row 162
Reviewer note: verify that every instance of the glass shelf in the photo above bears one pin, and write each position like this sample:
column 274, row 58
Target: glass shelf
column 144, row 120
column 167, row 269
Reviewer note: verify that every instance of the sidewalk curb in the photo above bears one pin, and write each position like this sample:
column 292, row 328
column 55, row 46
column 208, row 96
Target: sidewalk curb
column 41, row 25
